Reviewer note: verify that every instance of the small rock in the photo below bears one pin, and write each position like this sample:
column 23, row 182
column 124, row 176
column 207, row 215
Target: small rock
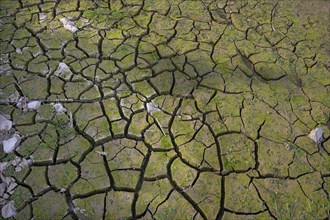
column 69, row 25
column 18, row 50
column 5, row 124
column 316, row 135
column 8, row 210
column 59, row 108
column 33, row 105
column 10, row 144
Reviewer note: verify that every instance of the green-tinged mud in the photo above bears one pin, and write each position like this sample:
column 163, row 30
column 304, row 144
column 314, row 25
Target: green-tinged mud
column 142, row 109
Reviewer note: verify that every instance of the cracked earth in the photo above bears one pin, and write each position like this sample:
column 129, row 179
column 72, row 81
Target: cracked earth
column 141, row 109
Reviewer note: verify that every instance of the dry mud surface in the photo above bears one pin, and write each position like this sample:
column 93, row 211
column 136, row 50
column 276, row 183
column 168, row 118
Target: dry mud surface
column 167, row 109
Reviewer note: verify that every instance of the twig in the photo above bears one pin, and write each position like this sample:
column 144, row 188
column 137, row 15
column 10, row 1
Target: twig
column 272, row 17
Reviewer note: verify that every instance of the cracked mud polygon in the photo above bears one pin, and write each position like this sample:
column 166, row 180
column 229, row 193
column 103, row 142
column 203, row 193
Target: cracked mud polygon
column 141, row 109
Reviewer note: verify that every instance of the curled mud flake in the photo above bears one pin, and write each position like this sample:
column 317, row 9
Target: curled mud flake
column 11, row 185
column 71, row 120
column 2, row 189
column 11, row 144
column 316, row 135
column 81, row 210
column 85, row 21
column 3, row 166
column 147, row 102
column 19, row 163
column 59, row 109
column 18, row 169
column 151, row 107
column 62, row 68
column 8, row 210
column 69, row 25
column 26, row 162
column 5, row 70
column 160, row 126
column 4, row 59
column 15, row 162
column 33, row 105
column 5, row 124
column 103, row 153
column 42, row 17
column 14, row 97
column 22, row 103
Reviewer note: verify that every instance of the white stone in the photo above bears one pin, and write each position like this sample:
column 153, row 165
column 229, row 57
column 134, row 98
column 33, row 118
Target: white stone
column 5, row 124
column 33, row 105
column 59, row 108
column 18, row 50
column 8, row 210
column 10, row 144
column 316, row 135
column 69, row 25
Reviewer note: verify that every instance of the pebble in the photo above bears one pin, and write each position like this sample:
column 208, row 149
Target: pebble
column 33, row 105
column 10, row 144
column 18, row 50
column 316, row 135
